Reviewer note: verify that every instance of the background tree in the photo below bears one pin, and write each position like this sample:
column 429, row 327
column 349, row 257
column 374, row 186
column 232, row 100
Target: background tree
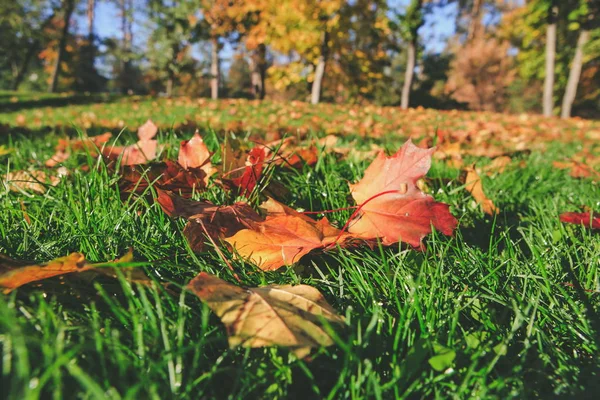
column 584, row 19
column 408, row 25
column 67, row 8
column 170, row 41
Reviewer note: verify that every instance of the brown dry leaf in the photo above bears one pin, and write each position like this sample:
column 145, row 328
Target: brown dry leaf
column 497, row 166
column 578, row 169
column 13, row 274
column 474, row 186
column 218, row 223
column 276, row 315
column 131, row 274
column 34, row 181
column 65, row 147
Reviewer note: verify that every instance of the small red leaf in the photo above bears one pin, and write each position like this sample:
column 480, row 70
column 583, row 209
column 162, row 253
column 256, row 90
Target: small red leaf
column 584, row 218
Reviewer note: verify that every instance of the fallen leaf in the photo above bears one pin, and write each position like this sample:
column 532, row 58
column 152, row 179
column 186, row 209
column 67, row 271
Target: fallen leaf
column 65, row 147
column 283, row 240
column 391, row 206
column 474, row 186
column 147, row 131
column 139, row 153
column 583, row 218
column 168, row 175
column 194, row 154
column 13, row 275
column 276, row 315
column 254, row 166
column 497, row 166
column 34, row 181
column 218, row 223
column 5, row 150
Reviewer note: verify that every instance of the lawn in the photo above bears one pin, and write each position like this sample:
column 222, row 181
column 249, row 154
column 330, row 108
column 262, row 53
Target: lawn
column 506, row 307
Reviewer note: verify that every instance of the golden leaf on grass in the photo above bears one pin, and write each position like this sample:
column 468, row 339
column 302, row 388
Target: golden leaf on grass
column 5, row 150
column 474, row 186
column 276, row 315
column 13, row 274
column 497, row 166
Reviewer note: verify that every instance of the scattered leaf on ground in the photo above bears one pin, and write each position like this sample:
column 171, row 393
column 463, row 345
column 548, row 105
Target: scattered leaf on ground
column 139, row 153
column 34, row 181
column 473, row 185
column 581, row 218
column 13, row 275
column 276, row 315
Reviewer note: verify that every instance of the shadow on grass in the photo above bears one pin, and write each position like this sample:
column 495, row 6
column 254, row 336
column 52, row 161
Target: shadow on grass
column 55, row 102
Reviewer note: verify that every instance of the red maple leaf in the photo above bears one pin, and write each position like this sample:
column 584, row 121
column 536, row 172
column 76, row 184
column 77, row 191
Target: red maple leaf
column 584, row 218
column 391, row 206
column 254, row 165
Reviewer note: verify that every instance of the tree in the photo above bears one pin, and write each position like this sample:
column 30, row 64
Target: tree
column 480, row 74
column 408, row 25
column 548, row 102
column 221, row 23
column 22, row 35
column 588, row 18
column 169, row 44
column 68, row 6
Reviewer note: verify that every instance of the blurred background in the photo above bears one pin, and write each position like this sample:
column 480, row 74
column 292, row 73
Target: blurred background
column 540, row 56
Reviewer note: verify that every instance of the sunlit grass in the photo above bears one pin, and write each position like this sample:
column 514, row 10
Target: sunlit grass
column 514, row 298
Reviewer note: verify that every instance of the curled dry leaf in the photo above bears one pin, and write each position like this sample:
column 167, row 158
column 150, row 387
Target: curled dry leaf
column 207, row 219
column 276, row 315
column 473, row 185
column 391, row 206
column 584, row 218
column 166, row 176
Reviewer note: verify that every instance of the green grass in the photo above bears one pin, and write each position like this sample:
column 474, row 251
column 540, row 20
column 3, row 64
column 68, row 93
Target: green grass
column 484, row 314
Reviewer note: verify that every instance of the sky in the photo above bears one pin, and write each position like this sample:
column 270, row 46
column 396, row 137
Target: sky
column 439, row 25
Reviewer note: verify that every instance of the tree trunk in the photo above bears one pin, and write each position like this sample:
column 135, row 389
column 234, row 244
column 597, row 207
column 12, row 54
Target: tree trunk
column 475, row 20
column 91, row 11
column 317, row 86
column 259, row 69
column 25, row 65
column 215, row 69
column 127, row 37
column 33, row 48
column 409, row 73
column 574, row 75
column 550, row 56
column 68, row 11
column 169, row 88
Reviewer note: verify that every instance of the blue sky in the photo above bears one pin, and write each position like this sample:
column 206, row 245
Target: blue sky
column 438, row 26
